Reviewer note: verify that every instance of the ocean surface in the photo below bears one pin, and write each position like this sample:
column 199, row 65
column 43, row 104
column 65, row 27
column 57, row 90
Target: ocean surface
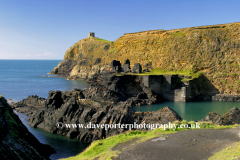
column 21, row 78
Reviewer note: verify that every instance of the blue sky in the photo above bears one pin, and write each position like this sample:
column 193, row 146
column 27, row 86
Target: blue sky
column 45, row 29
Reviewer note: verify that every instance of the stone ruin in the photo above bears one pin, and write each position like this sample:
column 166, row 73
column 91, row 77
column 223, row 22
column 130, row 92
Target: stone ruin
column 116, row 67
column 91, row 34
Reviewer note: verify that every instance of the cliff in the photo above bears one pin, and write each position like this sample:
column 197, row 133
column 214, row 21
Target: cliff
column 16, row 142
column 213, row 50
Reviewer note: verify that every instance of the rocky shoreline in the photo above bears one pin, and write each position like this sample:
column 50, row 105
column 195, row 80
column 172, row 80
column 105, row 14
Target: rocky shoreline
column 71, row 108
column 16, row 142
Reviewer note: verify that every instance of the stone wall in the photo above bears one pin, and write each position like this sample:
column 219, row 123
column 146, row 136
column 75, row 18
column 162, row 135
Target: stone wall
column 171, row 88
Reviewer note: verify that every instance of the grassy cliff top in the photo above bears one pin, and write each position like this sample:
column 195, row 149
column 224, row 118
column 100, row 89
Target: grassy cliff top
column 213, row 50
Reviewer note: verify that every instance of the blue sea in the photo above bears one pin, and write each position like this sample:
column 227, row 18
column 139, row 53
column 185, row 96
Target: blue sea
column 21, row 78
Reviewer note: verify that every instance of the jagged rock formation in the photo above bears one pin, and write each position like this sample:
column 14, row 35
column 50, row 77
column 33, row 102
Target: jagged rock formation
column 229, row 118
column 165, row 115
column 16, row 142
column 223, row 97
column 137, row 68
column 106, row 87
column 213, row 50
column 26, row 105
column 71, row 108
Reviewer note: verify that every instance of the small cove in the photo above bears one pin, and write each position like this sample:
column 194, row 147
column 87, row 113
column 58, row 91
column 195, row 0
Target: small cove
column 65, row 147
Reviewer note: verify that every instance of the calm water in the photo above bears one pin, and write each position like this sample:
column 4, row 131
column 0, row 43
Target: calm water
column 64, row 146
column 20, row 78
column 192, row 110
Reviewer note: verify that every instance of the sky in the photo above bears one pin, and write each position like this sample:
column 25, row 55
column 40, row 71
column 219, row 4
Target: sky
column 45, row 29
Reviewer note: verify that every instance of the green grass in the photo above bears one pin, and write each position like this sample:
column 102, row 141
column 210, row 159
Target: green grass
column 102, row 40
column 230, row 153
column 9, row 115
column 159, row 71
column 12, row 124
column 103, row 149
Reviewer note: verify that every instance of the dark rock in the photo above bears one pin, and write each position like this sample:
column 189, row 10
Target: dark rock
column 126, row 66
column 64, row 68
column 162, row 116
column 16, row 142
column 29, row 105
column 148, row 66
column 229, row 118
column 71, row 109
column 212, row 117
column 106, row 47
column 224, row 97
column 106, row 87
column 137, row 68
column 116, row 66
column 97, row 61
column 83, row 62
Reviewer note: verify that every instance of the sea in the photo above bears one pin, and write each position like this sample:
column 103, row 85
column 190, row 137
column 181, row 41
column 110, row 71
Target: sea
column 22, row 78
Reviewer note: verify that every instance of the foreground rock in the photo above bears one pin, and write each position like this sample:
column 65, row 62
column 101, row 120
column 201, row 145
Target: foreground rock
column 26, row 105
column 63, row 108
column 229, row 118
column 16, row 142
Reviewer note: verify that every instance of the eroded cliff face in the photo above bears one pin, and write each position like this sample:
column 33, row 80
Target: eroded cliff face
column 213, row 50
column 84, row 59
column 16, row 142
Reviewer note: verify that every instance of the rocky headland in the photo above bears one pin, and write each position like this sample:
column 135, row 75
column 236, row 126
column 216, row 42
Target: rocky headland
column 16, row 142
column 213, row 50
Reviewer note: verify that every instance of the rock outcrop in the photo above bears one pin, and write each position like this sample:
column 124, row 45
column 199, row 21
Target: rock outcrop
column 106, row 87
column 26, row 105
column 64, row 108
column 229, row 118
column 224, row 97
column 16, row 142
column 137, row 68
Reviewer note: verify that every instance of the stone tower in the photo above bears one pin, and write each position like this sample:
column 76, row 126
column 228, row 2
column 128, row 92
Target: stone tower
column 91, row 34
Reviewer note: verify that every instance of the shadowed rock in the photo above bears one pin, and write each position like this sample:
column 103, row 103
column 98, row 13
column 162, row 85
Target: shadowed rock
column 126, row 66
column 16, row 142
column 116, row 66
column 229, row 118
column 137, row 68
